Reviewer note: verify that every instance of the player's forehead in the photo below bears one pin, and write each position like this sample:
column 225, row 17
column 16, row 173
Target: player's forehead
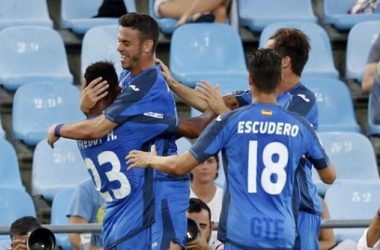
column 128, row 34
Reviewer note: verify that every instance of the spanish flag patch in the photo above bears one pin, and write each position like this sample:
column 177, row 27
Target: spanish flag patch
column 266, row 112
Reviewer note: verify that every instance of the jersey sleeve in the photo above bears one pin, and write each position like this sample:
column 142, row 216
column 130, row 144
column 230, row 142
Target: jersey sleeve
column 315, row 152
column 213, row 138
column 244, row 97
column 132, row 94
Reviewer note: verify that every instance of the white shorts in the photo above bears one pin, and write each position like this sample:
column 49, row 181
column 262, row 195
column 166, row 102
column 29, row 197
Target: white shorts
column 158, row 3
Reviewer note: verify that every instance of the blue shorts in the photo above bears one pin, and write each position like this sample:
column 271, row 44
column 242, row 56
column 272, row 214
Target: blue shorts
column 140, row 241
column 170, row 206
column 308, row 229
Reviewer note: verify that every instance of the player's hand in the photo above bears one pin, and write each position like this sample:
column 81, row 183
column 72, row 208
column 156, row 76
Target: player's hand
column 231, row 101
column 166, row 74
column 140, row 159
column 212, row 96
column 198, row 244
column 51, row 138
column 19, row 245
column 91, row 94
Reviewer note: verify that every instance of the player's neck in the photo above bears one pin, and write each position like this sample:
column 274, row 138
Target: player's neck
column 288, row 82
column 264, row 98
column 144, row 64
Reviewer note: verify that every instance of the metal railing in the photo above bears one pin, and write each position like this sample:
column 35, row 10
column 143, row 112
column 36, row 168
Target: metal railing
column 95, row 227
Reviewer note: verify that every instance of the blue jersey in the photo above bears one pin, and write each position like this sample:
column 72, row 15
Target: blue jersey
column 300, row 100
column 261, row 146
column 145, row 92
column 129, row 194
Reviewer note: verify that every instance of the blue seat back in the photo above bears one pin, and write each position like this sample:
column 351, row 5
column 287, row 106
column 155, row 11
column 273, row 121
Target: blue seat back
column 56, row 169
column 336, row 111
column 32, row 54
column 14, row 203
column 100, row 43
column 355, row 200
column 37, row 106
column 9, row 168
column 359, row 42
column 321, row 62
column 59, row 209
column 260, row 13
column 193, row 45
column 183, row 144
column 166, row 25
column 335, row 12
column 24, row 12
column 77, row 14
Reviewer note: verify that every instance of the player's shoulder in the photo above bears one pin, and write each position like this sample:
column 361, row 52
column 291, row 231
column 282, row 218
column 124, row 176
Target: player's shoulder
column 303, row 94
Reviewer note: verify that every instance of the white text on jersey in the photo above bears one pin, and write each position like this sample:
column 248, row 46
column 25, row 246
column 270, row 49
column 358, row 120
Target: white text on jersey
column 261, row 127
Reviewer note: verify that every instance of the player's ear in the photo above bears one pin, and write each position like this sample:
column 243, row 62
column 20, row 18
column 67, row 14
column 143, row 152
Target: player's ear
column 148, row 46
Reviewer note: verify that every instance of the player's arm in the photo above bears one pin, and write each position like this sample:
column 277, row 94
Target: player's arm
column 85, row 130
column 174, row 164
column 188, row 95
column 327, row 174
column 193, row 127
column 74, row 238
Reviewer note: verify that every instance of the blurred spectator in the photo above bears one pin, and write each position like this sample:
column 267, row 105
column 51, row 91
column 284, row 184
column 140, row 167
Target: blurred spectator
column 188, row 11
column 112, row 8
column 86, row 206
column 371, row 236
column 369, row 71
column 20, row 230
column 203, row 187
column 199, row 212
column 363, row 6
column 327, row 239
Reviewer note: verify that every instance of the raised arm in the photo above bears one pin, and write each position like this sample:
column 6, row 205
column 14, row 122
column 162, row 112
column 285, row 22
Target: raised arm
column 193, row 127
column 327, row 174
column 84, row 130
column 188, row 95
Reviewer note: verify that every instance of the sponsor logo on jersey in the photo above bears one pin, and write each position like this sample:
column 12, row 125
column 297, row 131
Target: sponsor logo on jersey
column 134, row 88
column 304, row 97
column 155, row 115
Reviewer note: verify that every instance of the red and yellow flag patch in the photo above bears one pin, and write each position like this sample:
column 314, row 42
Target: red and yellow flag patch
column 266, row 112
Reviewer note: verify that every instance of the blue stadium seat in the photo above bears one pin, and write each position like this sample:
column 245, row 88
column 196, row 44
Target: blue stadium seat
column 355, row 200
column 5, row 243
column 100, row 43
column 344, row 149
column 58, row 216
column 56, row 169
column 359, row 42
column 193, row 45
column 31, row 54
column 9, row 168
column 260, row 13
column 15, row 203
column 336, row 110
column 321, row 62
column 24, row 12
column 372, row 128
column 167, row 25
column 37, row 106
column 335, row 13
column 183, row 144
column 77, row 14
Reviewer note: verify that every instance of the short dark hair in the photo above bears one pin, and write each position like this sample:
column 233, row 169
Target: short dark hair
column 145, row 24
column 216, row 156
column 293, row 43
column 24, row 225
column 196, row 205
column 105, row 69
column 265, row 70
